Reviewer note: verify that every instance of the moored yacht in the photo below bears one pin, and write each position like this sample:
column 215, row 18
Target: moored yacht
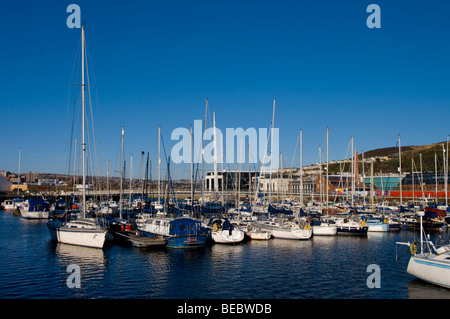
column 86, row 231
column 34, row 208
column 433, row 265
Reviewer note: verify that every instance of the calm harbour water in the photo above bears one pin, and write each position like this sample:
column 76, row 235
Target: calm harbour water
column 32, row 267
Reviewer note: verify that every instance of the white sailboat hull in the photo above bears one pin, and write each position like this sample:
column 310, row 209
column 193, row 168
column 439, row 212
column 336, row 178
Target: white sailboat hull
column 378, row 228
column 224, row 236
column 33, row 215
column 324, row 230
column 259, row 235
column 433, row 270
column 88, row 237
column 290, row 233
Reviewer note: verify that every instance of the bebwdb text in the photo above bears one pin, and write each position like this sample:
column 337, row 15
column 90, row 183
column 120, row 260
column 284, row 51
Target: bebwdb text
column 232, row 308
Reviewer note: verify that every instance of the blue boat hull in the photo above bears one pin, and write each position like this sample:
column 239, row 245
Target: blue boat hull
column 186, row 241
column 183, row 241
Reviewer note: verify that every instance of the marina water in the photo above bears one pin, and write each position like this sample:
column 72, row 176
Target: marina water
column 335, row 267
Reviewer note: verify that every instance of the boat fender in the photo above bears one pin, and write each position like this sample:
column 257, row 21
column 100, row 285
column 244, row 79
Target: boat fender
column 307, row 226
column 363, row 223
column 413, row 248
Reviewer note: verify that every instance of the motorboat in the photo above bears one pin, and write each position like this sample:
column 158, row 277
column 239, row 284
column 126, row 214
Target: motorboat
column 34, row 208
column 351, row 226
column 178, row 232
column 377, row 225
column 12, row 204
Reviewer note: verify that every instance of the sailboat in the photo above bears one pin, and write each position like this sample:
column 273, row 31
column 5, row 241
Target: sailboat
column 85, row 231
column 279, row 228
column 324, row 226
column 432, row 266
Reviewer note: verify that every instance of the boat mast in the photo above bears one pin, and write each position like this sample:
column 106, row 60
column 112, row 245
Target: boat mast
column 446, row 173
column 327, row 171
column 83, row 99
column 413, row 177
column 400, row 168
column 435, row 177
column 159, row 165
column 203, row 151
column 421, row 178
column 216, row 179
column 301, row 168
column 192, row 175
column 364, row 182
column 371, row 186
column 107, row 181
column 121, row 176
column 75, row 166
column 18, row 176
column 320, row 176
column 353, row 175
column 271, row 153
column 131, row 170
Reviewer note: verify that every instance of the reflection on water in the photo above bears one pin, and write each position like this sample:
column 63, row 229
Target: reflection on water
column 34, row 266
column 418, row 289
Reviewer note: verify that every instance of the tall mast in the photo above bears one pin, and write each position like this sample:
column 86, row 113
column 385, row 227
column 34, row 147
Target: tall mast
column 249, row 174
column 421, row 177
column 301, row 168
column 435, row 177
column 159, row 165
column 18, row 176
column 121, row 175
column 371, row 185
column 216, row 179
column 413, row 177
column 107, row 180
column 142, row 174
column 446, row 173
column 327, row 171
column 271, row 153
column 320, row 176
column 203, row 150
column 131, row 170
column 353, row 174
column 364, row 181
column 192, row 174
column 400, row 168
column 83, row 107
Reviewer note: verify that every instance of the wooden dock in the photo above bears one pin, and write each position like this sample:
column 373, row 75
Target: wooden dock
column 135, row 240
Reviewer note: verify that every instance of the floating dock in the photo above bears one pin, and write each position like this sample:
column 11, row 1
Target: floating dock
column 138, row 241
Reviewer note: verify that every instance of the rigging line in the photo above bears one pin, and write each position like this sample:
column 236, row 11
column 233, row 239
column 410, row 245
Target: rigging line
column 75, row 63
column 92, row 71
column 92, row 114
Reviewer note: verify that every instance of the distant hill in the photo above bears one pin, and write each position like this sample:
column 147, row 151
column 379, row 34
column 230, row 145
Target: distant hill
column 409, row 154
column 389, row 151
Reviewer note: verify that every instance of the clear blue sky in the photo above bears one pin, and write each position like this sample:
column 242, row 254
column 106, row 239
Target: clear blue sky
column 156, row 61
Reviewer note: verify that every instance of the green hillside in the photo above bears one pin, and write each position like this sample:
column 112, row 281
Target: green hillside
column 409, row 154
